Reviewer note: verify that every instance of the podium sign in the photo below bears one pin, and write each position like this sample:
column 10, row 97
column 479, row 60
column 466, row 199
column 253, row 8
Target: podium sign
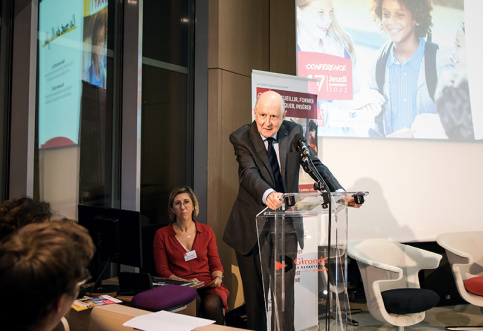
column 303, row 255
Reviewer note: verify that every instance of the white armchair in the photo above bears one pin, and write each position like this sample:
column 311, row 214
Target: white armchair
column 465, row 255
column 389, row 273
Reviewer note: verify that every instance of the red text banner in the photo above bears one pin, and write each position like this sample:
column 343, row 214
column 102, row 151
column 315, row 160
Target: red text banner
column 297, row 104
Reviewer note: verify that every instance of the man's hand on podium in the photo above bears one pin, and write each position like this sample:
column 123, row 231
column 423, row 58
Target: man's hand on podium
column 351, row 202
column 274, row 200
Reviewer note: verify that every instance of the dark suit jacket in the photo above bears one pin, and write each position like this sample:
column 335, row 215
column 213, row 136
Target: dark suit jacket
column 255, row 177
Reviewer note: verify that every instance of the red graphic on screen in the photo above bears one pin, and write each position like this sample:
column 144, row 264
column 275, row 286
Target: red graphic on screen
column 334, row 75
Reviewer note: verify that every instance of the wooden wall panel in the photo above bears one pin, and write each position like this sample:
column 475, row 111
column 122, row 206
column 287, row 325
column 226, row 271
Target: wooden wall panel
column 239, row 35
column 229, row 106
column 282, row 37
column 243, row 35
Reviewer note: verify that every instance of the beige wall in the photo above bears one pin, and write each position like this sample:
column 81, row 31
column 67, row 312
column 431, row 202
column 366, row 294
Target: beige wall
column 59, row 179
column 244, row 35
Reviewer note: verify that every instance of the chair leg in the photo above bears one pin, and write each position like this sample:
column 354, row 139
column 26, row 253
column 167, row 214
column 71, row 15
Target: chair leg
column 401, row 328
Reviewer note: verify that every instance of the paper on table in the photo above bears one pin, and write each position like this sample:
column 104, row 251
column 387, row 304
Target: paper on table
column 164, row 320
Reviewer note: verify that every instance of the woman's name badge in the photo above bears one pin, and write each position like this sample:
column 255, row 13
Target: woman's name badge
column 190, row 255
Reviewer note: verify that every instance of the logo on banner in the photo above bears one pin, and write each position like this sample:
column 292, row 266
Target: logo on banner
column 334, row 74
column 306, row 264
column 286, row 264
column 279, row 265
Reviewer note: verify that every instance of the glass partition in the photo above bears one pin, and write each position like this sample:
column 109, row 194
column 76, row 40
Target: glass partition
column 80, row 93
column 75, row 104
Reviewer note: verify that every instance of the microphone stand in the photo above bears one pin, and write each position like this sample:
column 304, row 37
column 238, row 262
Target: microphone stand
column 321, row 186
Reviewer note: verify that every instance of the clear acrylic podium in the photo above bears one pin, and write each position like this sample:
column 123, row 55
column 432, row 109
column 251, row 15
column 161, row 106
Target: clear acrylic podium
column 303, row 255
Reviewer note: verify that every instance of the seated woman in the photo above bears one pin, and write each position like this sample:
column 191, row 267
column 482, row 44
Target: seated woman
column 186, row 249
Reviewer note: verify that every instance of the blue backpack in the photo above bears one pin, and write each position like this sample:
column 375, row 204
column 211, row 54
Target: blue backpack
column 429, row 61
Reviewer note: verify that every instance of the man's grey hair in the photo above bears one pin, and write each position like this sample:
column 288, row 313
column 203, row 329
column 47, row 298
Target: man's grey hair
column 282, row 104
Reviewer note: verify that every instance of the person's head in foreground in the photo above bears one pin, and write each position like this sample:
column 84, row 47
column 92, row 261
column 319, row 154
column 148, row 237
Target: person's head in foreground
column 15, row 213
column 42, row 266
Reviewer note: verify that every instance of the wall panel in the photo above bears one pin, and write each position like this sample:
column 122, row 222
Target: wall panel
column 244, row 35
column 228, row 106
column 282, row 37
column 239, row 35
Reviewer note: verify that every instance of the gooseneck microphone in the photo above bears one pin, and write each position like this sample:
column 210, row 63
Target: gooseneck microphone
column 300, row 144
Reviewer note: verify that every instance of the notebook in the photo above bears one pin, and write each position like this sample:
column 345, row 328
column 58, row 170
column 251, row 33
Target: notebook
column 159, row 281
column 131, row 283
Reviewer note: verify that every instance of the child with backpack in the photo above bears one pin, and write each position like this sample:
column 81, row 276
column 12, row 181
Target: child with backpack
column 407, row 68
column 319, row 31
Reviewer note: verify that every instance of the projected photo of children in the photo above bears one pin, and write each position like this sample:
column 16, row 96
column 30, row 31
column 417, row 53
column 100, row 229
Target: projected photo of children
column 453, row 119
column 402, row 49
column 95, row 35
column 343, row 106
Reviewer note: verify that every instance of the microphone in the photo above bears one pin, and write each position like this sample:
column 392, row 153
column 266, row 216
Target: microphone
column 300, row 144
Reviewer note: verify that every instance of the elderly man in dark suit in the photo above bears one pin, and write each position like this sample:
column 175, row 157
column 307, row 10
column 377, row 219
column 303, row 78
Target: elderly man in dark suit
column 259, row 188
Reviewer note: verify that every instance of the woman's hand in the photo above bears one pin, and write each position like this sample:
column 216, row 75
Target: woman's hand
column 176, row 277
column 218, row 281
column 196, row 280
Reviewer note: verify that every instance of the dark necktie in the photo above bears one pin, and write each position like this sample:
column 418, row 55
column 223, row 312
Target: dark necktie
column 272, row 158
